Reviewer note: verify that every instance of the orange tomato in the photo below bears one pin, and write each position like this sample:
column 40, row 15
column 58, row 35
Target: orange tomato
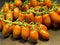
column 36, row 7
column 34, row 35
column 16, row 13
column 30, row 17
column 0, row 26
column 11, row 28
column 18, row 2
column 6, row 7
column 41, row 3
column 11, row 6
column 33, row 3
column 55, row 17
column 46, row 20
column 17, row 31
column 48, row 3
column 43, row 27
column 44, row 34
column 58, row 11
column 5, row 30
column 9, row 15
column 21, row 16
column 38, row 19
column 26, row 7
column 25, row 33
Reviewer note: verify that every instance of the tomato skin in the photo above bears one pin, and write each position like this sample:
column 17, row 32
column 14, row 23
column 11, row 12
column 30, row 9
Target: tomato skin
column 9, row 15
column 44, row 34
column 6, row 7
column 41, row 3
column 55, row 17
column 36, row 8
column 48, row 3
column 26, row 7
column 43, row 27
column 11, row 6
column 58, row 11
column 16, row 13
column 46, row 20
column 18, row 2
column 5, row 30
column 17, row 31
column 22, row 16
column 25, row 33
column 0, row 26
column 34, row 35
column 33, row 3
column 11, row 28
column 38, row 19
column 30, row 17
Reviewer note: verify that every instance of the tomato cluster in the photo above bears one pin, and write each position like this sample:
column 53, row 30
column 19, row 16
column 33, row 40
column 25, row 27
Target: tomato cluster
column 29, row 19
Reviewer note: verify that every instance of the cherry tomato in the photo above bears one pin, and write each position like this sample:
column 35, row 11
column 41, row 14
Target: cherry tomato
column 17, row 31
column 43, row 27
column 22, row 16
column 44, row 34
column 48, row 3
column 16, row 13
column 11, row 6
column 5, row 30
column 38, row 19
column 33, row 3
column 25, row 33
column 6, row 7
column 46, row 20
column 9, row 15
column 55, row 17
column 34, row 35
column 30, row 17
column 18, row 2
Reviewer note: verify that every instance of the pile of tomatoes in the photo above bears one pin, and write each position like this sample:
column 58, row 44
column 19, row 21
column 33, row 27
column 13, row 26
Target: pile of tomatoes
column 29, row 19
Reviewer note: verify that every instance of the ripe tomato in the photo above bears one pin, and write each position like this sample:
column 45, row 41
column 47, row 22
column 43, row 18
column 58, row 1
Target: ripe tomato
column 33, row 3
column 30, row 17
column 34, row 35
column 43, row 27
column 9, row 15
column 6, row 7
column 41, row 3
column 21, row 16
column 25, row 33
column 48, row 3
column 38, row 19
column 11, row 6
column 16, row 13
column 55, row 17
column 26, row 7
column 58, row 11
column 18, row 2
column 44, row 34
column 0, row 26
column 17, row 31
column 5, row 30
column 11, row 28
column 46, row 20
